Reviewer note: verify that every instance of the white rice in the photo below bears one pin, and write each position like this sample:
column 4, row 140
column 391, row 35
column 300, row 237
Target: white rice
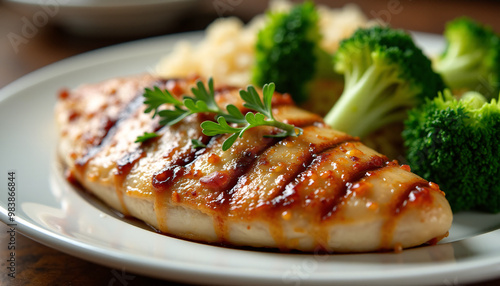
column 227, row 51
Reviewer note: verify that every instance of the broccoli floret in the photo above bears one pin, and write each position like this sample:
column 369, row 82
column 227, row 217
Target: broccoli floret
column 456, row 143
column 385, row 75
column 287, row 51
column 471, row 60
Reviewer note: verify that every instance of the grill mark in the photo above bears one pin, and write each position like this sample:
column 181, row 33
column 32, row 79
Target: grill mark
column 171, row 174
column 306, row 158
column 290, row 190
column 362, row 170
column 291, row 196
column 166, row 177
column 275, row 223
column 160, row 197
column 109, row 130
column 421, row 187
column 163, row 179
column 174, row 169
column 394, row 211
column 244, row 163
column 127, row 162
column 106, row 126
column 123, row 167
column 221, row 203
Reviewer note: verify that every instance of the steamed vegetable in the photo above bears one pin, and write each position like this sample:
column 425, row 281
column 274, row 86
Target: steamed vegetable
column 471, row 60
column 385, row 75
column 288, row 53
column 456, row 143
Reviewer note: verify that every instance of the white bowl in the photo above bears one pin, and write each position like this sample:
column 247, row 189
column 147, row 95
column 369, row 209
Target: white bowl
column 108, row 18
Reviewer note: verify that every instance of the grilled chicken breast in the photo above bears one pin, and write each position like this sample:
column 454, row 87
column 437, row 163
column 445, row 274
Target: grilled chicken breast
column 321, row 190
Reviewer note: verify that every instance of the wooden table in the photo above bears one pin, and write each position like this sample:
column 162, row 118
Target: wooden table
column 41, row 265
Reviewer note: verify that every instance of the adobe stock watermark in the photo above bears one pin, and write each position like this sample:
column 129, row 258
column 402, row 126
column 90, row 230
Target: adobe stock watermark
column 384, row 17
column 300, row 272
column 451, row 282
column 11, row 262
column 487, row 85
column 32, row 24
column 120, row 278
column 223, row 6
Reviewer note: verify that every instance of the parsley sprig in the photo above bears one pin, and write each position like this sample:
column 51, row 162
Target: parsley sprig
column 229, row 121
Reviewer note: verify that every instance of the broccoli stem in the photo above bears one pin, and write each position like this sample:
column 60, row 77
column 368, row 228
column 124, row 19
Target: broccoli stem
column 358, row 101
column 385, row 75
column 382, row 115
column 460, row 70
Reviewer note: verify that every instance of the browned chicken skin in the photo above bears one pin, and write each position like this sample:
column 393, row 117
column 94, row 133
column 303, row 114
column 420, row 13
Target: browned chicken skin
column 323, row 189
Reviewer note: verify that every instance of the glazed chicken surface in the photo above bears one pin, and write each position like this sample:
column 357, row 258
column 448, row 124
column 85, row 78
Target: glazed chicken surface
column 321, row 190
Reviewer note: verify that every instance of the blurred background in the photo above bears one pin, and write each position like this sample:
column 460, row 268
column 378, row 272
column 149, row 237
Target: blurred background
column 35, row 33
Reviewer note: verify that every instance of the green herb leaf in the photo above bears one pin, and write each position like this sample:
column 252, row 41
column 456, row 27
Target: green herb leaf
column 229, row 142
column 252, row 99
column 267, row 92
column 170, row 117
column 208, row 97
column 146, row 136
column 234, row 115
column 255, row 119
column 204, row 101
column 197, row 143
column 211, row 128
column 156, row 97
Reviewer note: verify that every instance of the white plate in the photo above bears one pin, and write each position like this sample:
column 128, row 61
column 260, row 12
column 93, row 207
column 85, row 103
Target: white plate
column 51, row 211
